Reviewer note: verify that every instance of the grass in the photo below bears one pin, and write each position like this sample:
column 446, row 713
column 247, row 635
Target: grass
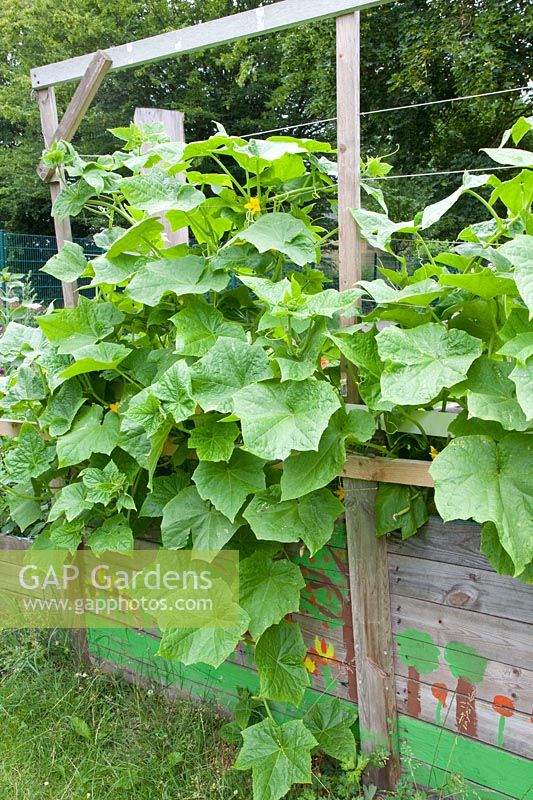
column 66, row 735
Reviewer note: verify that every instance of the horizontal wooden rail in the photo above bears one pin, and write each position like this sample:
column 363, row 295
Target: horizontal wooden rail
column 388, row 470
column 246, row 24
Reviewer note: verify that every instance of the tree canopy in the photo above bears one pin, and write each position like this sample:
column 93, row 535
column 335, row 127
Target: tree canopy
column 412, row 51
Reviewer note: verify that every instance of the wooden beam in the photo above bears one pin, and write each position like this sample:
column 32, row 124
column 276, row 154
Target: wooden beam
column 49, row 123
column 388, row 470
column 174, row 124
column 349, row 155
column 77, row 107
column 247, row 24
column 372, row 631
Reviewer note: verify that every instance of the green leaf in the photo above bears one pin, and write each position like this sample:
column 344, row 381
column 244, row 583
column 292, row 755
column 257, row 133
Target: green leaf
column 519, row 251
column 30, row 457
column 21, row 341
column 520, row 347
column 272, row 292
column 435, row 211
column 199, row 326
column 208, row 645
column 164, row 489
column 278, row 755
column 227, row 484
column 417, row 294
column 489, row 481
column 102, row 485
column 138, row 238
column 145, row 410
column 509, row 156
column 23, row 512
column 89, row 434
column 378, row 229
column 486, row 283
column 330, row 722
column 96, row 357
column 491, row 395
column 62, row 408
column 499, row 559
column 269, row 590
column 157, row 191
column 402, row 508
column 71, row 199
column 422, row 361
column 279, row 655
column 213, row 438
column 113, row 535
column 66, row 535
column 174, row 390
column 181, row 276
column 70, row 501
column 188, row 513
column 80, row 727
column 68, row 264
column 277, row 418
column 72, row 328
column 310, row 518
column 324, row 304
column 304, row 472
column 284, row 233
column 522, row 377
column 115, row 270
column 230, row 365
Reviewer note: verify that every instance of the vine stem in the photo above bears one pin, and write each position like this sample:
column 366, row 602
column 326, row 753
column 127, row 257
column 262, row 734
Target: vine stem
column 269, row 712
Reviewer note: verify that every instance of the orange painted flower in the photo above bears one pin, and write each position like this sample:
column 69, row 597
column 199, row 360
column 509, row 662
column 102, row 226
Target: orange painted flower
column 323, row 649
column 503, row 705
column 440, row 692
column 253, row 205
column 310, row 665
column 114, row 407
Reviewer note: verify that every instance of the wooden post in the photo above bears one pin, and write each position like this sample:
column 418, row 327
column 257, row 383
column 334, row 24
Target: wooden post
column 367, row 555
column 173, row 122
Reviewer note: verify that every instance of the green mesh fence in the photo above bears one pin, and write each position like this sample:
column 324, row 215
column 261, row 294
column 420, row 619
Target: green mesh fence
column 26, row 253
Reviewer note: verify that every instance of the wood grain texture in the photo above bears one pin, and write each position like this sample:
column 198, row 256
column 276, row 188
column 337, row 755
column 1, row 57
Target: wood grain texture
column 247, row 24
column 449, row 543
column 77, row 108
column 388, row 470
column 461, row 587
column 369, row 589
column 49, row 122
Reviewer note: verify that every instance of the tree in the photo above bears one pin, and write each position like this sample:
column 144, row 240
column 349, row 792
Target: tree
column 412, row 51
column 418, row 650
column 468, row 667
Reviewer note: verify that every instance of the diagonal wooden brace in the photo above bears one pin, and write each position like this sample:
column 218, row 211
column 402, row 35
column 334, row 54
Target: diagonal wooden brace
column 77, row 107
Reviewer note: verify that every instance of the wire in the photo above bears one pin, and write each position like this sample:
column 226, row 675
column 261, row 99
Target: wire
column 386, row 110
column 488, row 168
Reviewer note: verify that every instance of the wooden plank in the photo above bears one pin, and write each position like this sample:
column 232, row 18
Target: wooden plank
column 508, row 643
column 485, row 592
column 13, row 543
column 10, row 427
column 516, row 736
column 77, row 108
column 450, row 543
column 247, row 24
column 369, row 588
column 49, row 122
column 388, row 470
column 174, row 124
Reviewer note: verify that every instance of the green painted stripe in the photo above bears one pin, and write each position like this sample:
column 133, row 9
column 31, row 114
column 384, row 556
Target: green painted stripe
column 428, row 776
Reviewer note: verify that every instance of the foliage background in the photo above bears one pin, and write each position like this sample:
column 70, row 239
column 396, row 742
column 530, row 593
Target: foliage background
column 412, row 51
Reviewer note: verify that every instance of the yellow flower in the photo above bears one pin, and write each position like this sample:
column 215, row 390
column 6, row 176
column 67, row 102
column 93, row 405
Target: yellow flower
column 341, row 494
column 433, row 453
column 114, row 407
column 253, row 205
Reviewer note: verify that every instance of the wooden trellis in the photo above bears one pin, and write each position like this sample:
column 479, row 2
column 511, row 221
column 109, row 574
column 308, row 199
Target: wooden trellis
column 367, row 555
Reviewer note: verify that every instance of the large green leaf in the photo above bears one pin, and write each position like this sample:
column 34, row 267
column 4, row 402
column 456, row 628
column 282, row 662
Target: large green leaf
column 95, row 358
column 402, row 508
column 157, row 191
column 115, row 270
column 89, row 434
column 492, row 395
column 489, row 481
column 227, row 484
column 510, row 156
column 68, row 264
column 21, row 341
column 269, row 590
column 181, row 276
column 199, row 326
column 277, row 418
column 330, row 721
column 138, row 238
column 174, row 390
column 164, row 489
column 213, row 438
column 145, row 409
column 284, row 233
column 230, row 365
column 30, row 457
column 23, row 510
column 422, row 361
column 522, row 377
column 62, row 408
column 187, row 513
column 279, row 655
column 72, row 328
column 435, row 211
column 114, row 535
column 66, row 535
column 72, row 198
column 278, row 755
column 519, row 347
column 417, row 294
column 102, row 485
column 486, row 283
column 519, row 251
column 310, row 518
column 70, row 501
column 304, row 472
column 378, row 229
